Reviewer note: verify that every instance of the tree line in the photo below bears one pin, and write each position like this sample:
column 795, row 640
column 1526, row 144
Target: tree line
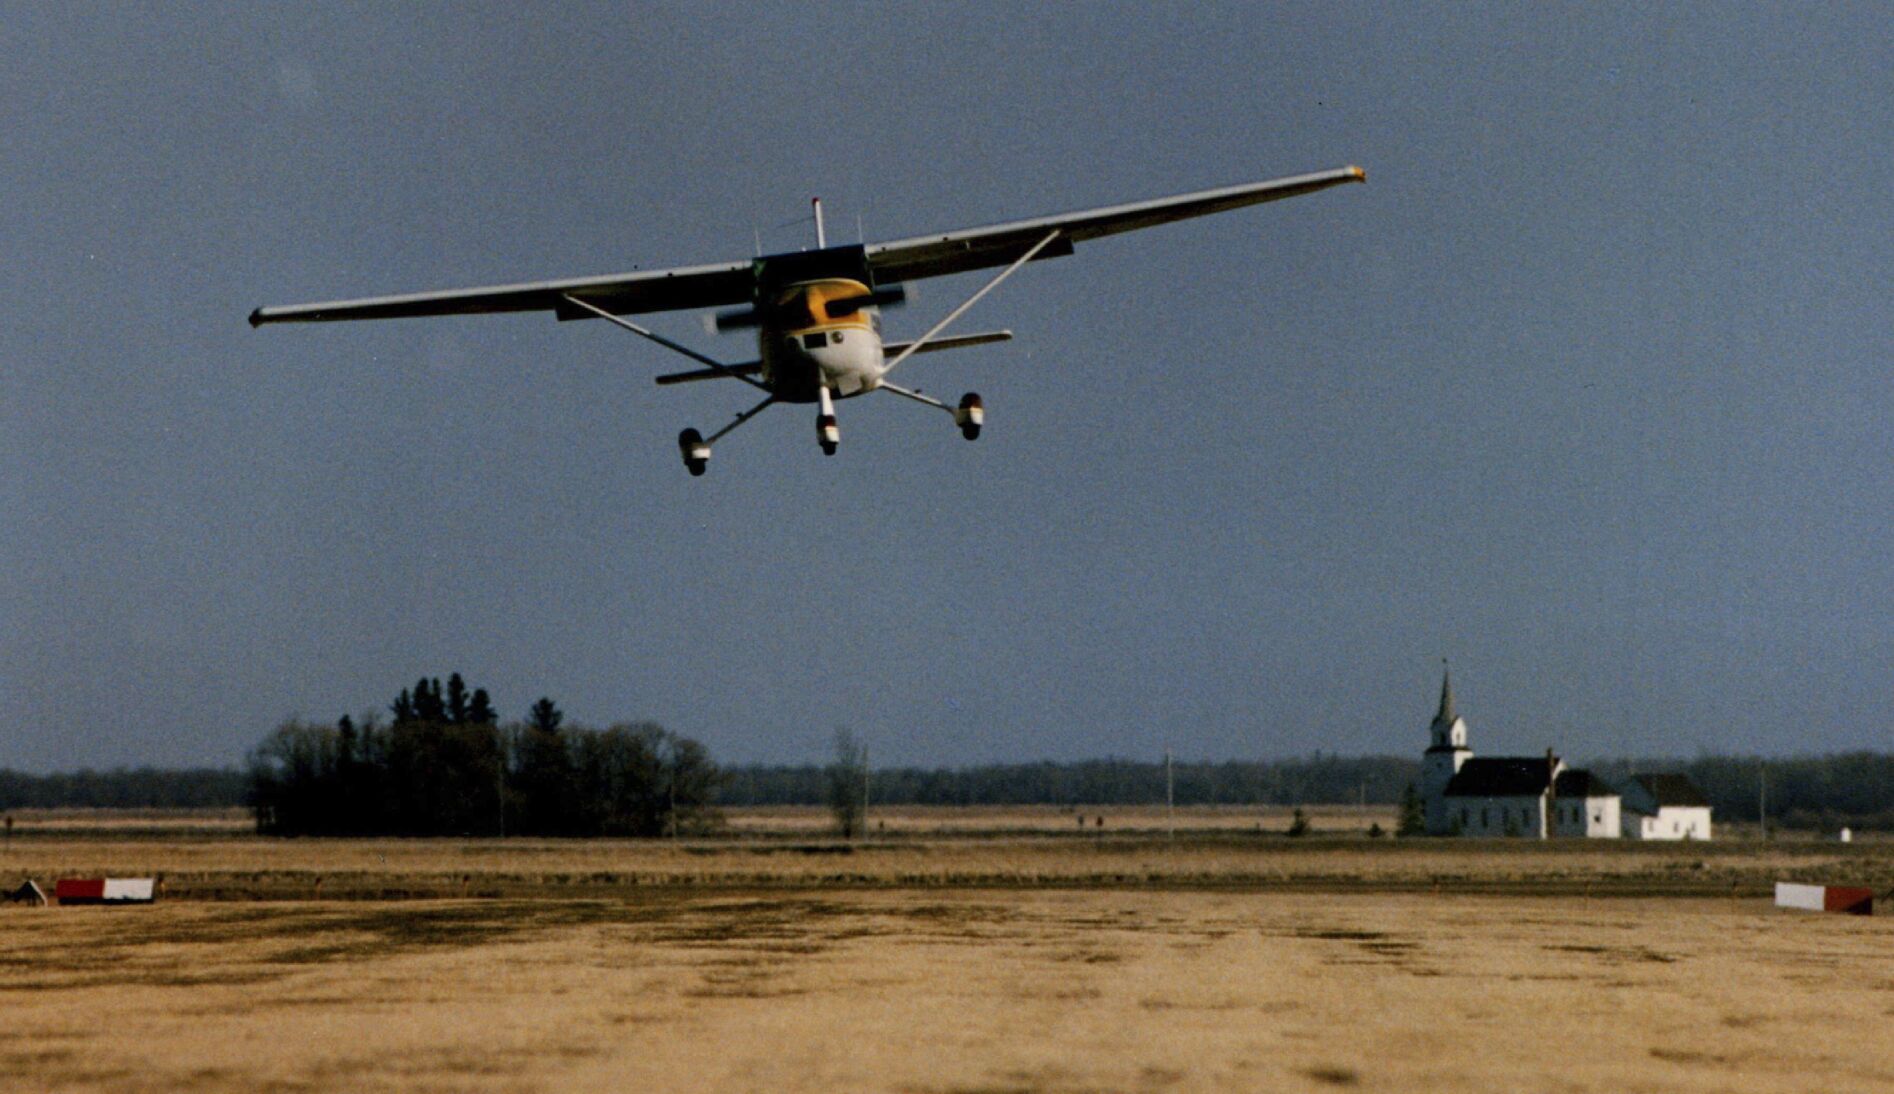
column 1821, row 793
column 1308, row 781
column 126, row 788
column 444, row 765
column 377, row 768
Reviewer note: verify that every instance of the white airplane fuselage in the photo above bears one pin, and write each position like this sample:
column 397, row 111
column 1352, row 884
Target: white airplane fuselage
column 806, row 347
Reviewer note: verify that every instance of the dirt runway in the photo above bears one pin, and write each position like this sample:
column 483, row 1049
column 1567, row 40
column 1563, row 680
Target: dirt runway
column 955, row 991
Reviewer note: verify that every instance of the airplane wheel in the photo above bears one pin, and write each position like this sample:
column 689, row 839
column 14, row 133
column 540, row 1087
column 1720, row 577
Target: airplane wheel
column 970, row 415
column 828, row 449
column 691, row 446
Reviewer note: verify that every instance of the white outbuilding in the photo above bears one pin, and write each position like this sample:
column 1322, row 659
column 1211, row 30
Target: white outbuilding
column 1665, row 806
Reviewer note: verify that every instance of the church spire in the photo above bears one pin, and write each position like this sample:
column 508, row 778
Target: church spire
column 1446, row 717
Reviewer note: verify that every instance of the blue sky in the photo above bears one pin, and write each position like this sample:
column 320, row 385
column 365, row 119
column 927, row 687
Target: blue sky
column 1587, row 389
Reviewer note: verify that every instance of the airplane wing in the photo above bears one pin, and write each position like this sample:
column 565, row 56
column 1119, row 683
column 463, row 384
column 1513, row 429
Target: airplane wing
column 734, row 282
column 620, row 294
column 1001, row 244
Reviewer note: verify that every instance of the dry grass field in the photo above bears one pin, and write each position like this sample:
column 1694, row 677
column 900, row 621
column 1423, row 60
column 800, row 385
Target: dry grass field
column 972, row 956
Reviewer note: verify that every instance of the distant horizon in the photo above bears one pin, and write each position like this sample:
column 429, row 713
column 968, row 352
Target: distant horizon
column 1313, row 757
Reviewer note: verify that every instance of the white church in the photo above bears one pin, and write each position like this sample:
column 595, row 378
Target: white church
column 1536, row 797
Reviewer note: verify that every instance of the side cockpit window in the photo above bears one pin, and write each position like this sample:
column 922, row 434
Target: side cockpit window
column 815, row 341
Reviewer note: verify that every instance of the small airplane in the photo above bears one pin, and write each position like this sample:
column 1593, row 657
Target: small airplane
column 817, row 313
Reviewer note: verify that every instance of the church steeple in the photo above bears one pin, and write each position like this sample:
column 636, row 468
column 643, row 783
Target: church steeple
column 1449, row 731
column 1446, row 717
column 1441, row 762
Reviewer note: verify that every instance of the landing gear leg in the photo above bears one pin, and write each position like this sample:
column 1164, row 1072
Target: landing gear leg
column 827, row 433
column 970, row 415
column 695, row 447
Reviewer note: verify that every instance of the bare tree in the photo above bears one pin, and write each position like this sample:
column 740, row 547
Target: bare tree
column 848, row 784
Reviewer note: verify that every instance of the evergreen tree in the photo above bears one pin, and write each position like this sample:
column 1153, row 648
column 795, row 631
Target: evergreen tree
column 480, row 710
column 428, row 705
column 456, row 699
column 544, row 805
column 1413, row 815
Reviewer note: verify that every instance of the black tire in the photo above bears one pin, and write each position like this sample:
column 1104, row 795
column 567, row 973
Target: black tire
column 970, row 431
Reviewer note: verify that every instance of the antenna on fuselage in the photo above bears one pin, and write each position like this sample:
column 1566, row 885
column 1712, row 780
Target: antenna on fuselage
column 821, row 241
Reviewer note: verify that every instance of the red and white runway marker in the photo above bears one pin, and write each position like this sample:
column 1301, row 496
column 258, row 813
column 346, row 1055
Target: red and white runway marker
column 1848, row 900
column 105, row 890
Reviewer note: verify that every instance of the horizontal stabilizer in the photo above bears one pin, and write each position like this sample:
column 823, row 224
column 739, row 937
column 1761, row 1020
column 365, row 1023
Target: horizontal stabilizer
column 749, row 369
column 958, row 341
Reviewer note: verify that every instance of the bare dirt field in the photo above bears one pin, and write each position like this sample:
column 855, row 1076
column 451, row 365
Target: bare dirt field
column 1222, row 960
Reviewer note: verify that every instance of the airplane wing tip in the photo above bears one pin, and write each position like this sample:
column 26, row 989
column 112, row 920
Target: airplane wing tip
column 1356, row 173
column 256, row 318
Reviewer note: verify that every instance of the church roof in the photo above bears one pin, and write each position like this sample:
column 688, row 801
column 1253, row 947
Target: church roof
column 1500, row 777
column 1574, row 783
column 1522, row 777
column 1670, row 789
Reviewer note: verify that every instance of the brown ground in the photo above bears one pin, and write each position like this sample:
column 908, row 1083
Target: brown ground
column 955, row 991
column 1221, row 961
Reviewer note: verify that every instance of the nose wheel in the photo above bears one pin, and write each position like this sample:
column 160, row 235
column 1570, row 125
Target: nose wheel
column 827, row 433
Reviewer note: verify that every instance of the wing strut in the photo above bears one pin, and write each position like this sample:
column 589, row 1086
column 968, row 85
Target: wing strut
column 915, row 346
column 668, row 344
column 910, row 393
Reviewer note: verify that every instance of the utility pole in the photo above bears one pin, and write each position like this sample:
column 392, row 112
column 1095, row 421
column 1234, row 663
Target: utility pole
column 499, row 781
column 1762, row 798
column 1170, row 796
column 865, row 770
